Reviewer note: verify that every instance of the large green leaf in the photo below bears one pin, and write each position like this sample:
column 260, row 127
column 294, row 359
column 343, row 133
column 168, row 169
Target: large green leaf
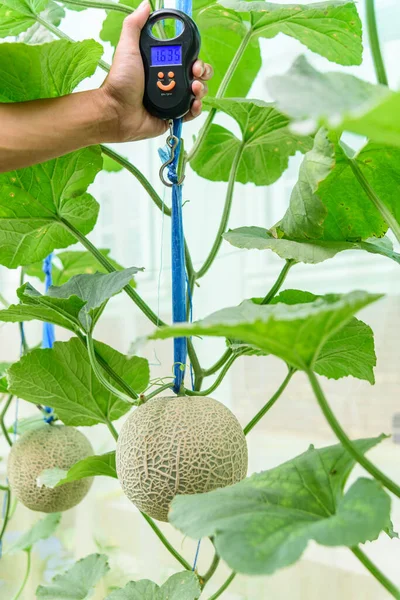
column 78, row 583
column 337, row 101
column 34, row 306
column 95, row 290
column 44, row 71
column 181, row 586
column 294, row 333
column 92, row 466
column 41, row 530
column 265, row 147
column 35, row 201
column 349, row 351
column 112, row 25
column 332, row 28
column 73, row 262
column 223, row 32
column 62, row 378
column 265, row 522
column 17, row 16
column 306, row 251
column 329, row 203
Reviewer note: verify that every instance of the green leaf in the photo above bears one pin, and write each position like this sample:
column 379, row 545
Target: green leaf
column 62, row 378
column 45, row 71
column 110, row 165
column 16, row 16
column 92, row 466
column 94, row 290
column 181, row 586
column 41, row 530
column 3, row 379
column 332, row 29
column 73, row 263
column 294, row 333
column 78, row 583
column 305, row 251
column 35, row 201
column 112, row 25
column 337, row 101
column 265, row 522
column 329, row 203
column 349, row 351
column 34, row 306
column 27, row 424
column 266, row 143
column 223, row 32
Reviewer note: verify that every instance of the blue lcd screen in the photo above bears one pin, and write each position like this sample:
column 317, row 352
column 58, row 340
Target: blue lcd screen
column 166, row 55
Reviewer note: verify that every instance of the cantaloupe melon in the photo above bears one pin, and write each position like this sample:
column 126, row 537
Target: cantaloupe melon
column 178, row 445
column 45, row 447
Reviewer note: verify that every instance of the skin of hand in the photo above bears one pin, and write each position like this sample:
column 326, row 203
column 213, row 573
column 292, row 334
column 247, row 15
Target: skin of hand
column 123, row 88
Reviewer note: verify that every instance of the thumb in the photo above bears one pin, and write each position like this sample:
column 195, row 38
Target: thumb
column 134, row 23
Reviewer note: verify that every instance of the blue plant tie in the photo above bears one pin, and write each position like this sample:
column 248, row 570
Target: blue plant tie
column 49, row 336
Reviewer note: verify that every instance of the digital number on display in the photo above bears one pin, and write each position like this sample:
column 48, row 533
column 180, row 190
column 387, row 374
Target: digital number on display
column 166, row 55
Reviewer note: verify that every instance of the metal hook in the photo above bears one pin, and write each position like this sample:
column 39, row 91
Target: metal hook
column 172, row 142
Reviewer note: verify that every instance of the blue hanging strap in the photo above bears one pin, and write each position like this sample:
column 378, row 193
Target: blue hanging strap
column 170, row 155
column 48, row 328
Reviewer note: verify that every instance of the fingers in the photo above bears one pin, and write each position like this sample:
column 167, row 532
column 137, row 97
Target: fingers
column 194, row 112
column 134, row 23
column 202, row 70
column 199, row 89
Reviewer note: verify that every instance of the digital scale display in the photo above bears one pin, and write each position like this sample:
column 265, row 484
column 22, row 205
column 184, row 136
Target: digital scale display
column 166, row 55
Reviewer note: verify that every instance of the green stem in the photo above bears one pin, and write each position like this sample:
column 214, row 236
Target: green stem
column 375, row 572
column 225, row 215
column 99, row 374
column 105, row 5
column 278, row 283
column 166, row 543
column 109, row 267
column 198, row 371
column 220, row 363
column 63, row 36
column 213, row 567
column 27, row 572
column 345, row 441
column 6, row 515
column 218, row 380
column 106, row 367
column 376, row 201
column 112, row 430
column 161, row 388
column 270, row 403
column 4, row 488
column 374, row 43
column 223, row 587
column 2, row 417
column 220, row 93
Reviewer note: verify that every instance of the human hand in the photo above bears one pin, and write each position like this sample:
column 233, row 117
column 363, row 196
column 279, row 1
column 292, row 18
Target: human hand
column 124, row 86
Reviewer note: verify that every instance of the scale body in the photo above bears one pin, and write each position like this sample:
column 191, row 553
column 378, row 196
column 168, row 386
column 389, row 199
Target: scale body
column 168, row 65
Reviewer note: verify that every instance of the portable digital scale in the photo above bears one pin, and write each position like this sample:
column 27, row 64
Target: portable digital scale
column 168, row 65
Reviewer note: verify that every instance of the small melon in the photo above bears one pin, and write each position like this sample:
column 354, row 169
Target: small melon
column 178, row 445
column 46, row 447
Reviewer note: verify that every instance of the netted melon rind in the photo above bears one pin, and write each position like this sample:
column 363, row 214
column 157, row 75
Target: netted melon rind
column 178, row 445
column 43, row 448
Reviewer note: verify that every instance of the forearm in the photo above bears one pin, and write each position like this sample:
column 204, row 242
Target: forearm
column 39, row 130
